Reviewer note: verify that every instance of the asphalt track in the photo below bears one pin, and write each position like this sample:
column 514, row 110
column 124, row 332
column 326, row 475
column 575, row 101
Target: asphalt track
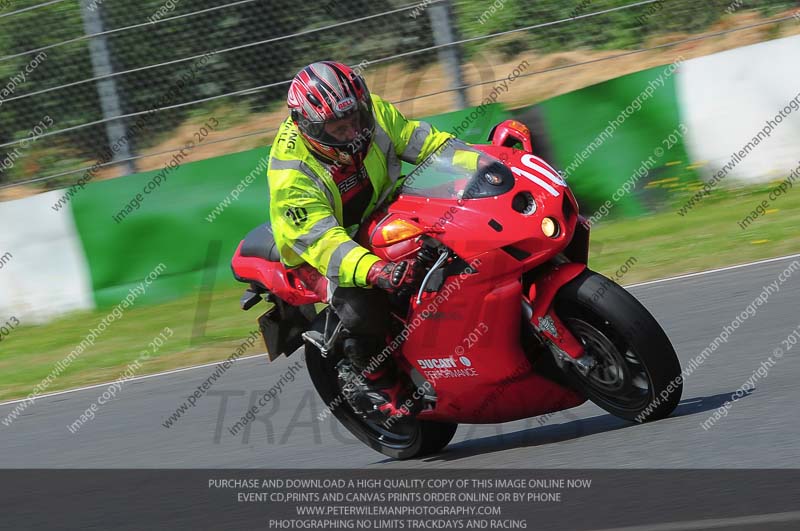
column 760, row 430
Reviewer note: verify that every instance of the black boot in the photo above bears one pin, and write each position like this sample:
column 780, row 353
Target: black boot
column 383, row 393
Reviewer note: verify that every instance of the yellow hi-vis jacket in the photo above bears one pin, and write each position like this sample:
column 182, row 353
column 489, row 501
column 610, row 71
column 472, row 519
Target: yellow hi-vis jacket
column 305, row 203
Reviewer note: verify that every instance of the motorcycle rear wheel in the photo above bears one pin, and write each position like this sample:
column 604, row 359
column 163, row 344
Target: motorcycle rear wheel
column 406, row 439
column 638, row 376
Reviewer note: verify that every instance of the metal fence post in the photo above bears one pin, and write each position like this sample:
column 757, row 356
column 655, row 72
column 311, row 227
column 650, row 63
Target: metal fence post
column 444, row 32
column 107, row 87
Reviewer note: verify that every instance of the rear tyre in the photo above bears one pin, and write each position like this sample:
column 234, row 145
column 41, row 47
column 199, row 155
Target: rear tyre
column 638, row 375
column 405, row 439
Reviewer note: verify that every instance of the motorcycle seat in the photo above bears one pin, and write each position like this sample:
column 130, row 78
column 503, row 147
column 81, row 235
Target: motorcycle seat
column 260, row 243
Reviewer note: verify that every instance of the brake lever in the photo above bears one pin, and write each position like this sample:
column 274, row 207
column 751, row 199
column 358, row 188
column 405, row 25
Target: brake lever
column 443, row 255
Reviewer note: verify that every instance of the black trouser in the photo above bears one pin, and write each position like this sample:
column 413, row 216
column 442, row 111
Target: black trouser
column 364, row 313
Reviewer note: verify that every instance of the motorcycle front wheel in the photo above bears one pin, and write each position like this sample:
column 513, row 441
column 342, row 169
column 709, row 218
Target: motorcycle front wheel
column 637, row 376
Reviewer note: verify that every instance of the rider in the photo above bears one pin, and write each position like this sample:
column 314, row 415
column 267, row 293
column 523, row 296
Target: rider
column 336, row 159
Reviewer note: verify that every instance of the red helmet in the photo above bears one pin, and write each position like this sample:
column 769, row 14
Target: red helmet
column 331, row 106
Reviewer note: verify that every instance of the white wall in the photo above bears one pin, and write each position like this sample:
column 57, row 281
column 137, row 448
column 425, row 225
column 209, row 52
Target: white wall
column 48, row 273
column 725, row 100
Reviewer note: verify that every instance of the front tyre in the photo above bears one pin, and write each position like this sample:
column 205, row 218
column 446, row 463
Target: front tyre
column 638, row 375
column 406, row 439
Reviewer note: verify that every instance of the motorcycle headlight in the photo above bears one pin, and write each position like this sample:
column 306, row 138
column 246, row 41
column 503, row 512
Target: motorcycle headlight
column 550, row 227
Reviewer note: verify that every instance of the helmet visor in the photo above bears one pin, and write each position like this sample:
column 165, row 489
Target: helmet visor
column 350, row 131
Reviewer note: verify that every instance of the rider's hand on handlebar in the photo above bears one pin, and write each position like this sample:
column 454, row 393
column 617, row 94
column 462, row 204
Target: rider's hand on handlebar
column 392, row 276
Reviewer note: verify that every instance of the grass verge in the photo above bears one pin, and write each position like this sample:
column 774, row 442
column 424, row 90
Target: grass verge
column 666, row 244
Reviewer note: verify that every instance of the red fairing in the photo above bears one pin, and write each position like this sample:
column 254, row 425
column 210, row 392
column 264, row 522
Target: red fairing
column 468, row 232
column 485, row 377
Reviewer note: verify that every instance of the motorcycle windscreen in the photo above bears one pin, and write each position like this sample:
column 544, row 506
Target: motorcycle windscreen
column 458, row 171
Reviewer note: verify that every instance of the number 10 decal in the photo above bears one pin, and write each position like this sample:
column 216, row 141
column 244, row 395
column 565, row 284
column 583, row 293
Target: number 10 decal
column 543, row 169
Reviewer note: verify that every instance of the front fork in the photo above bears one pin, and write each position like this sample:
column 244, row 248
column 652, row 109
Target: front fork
column 538, row 309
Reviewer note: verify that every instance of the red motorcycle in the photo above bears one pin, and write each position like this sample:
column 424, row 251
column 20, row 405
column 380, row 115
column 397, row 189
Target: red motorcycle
column 508, row 321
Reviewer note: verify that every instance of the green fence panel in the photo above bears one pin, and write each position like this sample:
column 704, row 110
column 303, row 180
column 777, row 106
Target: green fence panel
column 170, row 227
column 597, row 166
